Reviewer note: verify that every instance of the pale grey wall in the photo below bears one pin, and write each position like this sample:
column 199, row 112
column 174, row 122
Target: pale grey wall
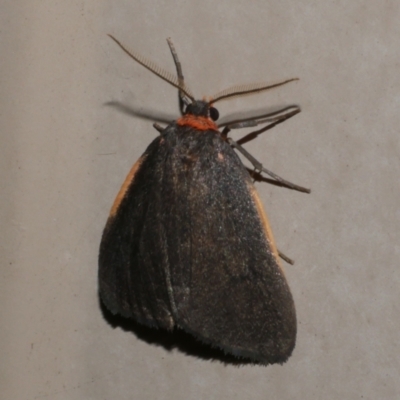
column 64, row 155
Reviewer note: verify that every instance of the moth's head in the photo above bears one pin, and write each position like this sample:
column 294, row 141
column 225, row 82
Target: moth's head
column 200, row 108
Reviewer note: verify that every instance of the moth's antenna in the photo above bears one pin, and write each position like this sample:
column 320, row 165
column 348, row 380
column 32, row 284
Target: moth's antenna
column 153, row 67
column 183, row 100
column 240, row 90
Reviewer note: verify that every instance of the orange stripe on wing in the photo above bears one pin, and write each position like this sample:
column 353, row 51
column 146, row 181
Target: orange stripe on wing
column 265, row 223
column 125, row 186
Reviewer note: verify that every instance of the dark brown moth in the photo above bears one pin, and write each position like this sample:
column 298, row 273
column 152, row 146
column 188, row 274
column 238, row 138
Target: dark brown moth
column 187, row 243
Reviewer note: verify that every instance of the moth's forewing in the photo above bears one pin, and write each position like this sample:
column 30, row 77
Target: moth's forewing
column 188, row 244
column 132, row 256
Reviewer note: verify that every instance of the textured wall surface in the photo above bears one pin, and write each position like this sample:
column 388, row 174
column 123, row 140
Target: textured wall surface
column 64, row 154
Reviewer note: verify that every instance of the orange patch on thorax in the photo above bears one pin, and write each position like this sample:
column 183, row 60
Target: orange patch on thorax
column 197, row 122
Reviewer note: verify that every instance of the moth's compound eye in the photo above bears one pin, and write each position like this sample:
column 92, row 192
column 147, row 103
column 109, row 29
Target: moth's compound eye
column 214, row 114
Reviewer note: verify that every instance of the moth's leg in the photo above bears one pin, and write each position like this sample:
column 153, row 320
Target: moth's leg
column 272, row 119
column 157, row 127
column 286, row 258
column 258, row 166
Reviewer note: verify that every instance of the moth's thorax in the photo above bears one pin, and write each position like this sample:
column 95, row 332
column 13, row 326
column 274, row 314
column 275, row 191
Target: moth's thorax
column 197, row 122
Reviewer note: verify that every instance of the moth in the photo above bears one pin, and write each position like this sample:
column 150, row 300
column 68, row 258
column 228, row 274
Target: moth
column 187, row 242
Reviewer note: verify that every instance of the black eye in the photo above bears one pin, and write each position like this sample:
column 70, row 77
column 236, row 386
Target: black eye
column 214, row 114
